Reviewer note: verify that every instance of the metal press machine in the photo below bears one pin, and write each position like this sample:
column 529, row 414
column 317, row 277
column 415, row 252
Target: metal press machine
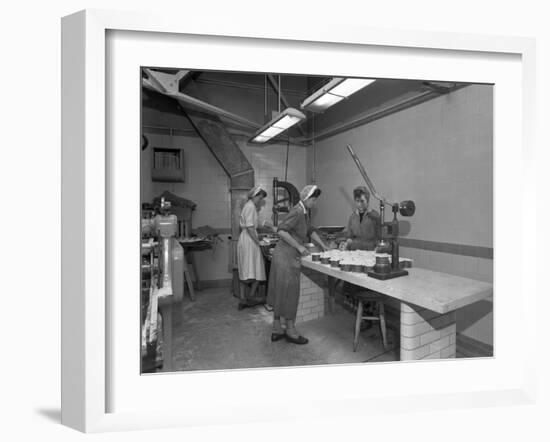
column 162, row 283
column 389, row 230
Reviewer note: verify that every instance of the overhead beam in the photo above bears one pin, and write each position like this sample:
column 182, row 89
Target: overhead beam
column 166, row 84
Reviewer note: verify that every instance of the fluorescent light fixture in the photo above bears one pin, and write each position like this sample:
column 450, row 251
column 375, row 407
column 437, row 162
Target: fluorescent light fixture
column 334, row 91
column 325, row 101
column 286, row 119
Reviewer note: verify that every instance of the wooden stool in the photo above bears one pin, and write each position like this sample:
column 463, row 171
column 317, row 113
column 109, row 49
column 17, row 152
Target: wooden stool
column 369, row 296
column 191, row 262
column 187, row 277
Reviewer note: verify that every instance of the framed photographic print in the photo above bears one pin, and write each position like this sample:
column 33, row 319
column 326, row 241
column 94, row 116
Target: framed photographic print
column 252, row 210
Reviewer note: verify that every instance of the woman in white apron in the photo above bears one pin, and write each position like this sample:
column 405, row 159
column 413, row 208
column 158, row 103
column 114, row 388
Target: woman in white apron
column 249, row 254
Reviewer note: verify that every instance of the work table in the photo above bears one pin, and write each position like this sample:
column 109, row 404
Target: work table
column 439, row 292
column 428, row 303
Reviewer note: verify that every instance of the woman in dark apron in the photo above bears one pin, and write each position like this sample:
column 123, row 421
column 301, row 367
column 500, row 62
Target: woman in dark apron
column 284, row 278
column 363, row 233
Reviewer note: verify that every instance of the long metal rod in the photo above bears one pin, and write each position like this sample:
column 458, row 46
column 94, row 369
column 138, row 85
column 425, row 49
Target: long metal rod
column 365, row 176
column 279, row 93
column 314, row 177
column 182, row 132
column 276, row 86
column 265, row 99
column 299, row 94
column 188, row 100
column 193, row 132
column 286, row 164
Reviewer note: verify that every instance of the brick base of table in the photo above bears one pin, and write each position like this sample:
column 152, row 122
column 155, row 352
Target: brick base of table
column 313, row 295
column 426, row 334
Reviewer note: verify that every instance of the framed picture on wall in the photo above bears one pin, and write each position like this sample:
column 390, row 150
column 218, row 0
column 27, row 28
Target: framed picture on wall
column 328, row 219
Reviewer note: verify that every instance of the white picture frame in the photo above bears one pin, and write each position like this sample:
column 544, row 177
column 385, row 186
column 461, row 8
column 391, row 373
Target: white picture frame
column 86, row 314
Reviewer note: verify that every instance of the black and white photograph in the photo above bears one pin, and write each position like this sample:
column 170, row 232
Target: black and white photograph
column 304, row 220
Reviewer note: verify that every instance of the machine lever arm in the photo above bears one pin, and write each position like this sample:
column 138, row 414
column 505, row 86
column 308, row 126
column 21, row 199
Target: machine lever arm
column 366, row 177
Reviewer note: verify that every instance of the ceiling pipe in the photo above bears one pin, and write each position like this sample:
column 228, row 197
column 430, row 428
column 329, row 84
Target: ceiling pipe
column 266, row 118
column 298, row 95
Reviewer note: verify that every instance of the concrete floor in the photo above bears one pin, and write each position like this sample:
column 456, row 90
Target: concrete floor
column 211, row 334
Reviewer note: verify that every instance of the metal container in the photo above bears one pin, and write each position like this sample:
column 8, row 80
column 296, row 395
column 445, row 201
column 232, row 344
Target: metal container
column 316, row 257
column 382, row 264
column 345, row 267
column 405, row 264
column 325, row 260
column 357, row 268
column 334, row 262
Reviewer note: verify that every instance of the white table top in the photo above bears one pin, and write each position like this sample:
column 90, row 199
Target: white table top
column 439, row 292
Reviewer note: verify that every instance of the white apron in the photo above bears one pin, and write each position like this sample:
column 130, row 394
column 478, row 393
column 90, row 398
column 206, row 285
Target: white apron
column 249, row 255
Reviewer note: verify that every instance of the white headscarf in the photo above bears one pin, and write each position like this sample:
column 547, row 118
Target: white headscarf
column 254, row 191
column 307, row 191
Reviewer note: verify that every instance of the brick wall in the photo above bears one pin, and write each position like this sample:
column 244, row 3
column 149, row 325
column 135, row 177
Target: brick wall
column 313, row 295
column 426, row 334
